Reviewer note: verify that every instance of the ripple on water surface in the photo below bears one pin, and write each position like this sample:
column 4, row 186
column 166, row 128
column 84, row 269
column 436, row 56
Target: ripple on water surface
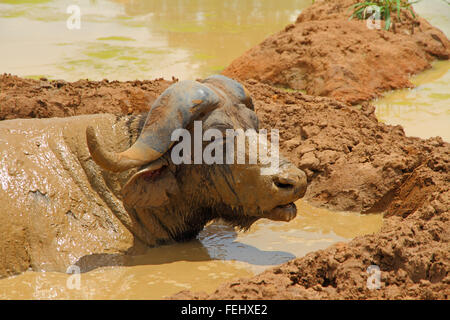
column 218, row 254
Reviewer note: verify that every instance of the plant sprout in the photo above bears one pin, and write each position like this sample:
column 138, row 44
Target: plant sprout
column 386, row 8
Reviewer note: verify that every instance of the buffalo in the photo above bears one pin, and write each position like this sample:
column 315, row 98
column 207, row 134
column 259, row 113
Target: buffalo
column 71, row 187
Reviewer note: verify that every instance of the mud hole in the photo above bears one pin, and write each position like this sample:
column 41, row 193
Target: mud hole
column 353, row 162
column 217, row 255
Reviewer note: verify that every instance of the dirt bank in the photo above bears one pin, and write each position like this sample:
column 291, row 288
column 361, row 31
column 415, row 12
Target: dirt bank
column 353, row 162
column 327, row 55
column 356, row 163
column 28, row 98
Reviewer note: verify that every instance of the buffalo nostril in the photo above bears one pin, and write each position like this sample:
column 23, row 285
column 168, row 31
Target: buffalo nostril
column 284, row 183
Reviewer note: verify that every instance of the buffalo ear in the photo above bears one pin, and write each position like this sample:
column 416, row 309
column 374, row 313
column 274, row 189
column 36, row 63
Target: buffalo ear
column 150, row 188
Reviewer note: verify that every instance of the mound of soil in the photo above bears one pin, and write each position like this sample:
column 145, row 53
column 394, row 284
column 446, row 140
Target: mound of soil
column 28, row 98
column 327, row 55
column 352, row 161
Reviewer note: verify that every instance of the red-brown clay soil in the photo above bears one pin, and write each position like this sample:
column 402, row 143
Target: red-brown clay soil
column 27, row 98
column 327, row 55
column 353, row 162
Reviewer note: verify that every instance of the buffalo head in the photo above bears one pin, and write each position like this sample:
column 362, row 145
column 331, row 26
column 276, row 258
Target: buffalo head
column 168, row 200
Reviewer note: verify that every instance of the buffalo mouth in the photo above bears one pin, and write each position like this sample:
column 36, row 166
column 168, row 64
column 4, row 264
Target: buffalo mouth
column 285, row 212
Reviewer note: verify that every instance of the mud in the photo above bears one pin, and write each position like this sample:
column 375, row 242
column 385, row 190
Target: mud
column 356, row 163
column 327, row 55
column 353, row 162
column 28, row 98
column 50, row 217
column 217, row 255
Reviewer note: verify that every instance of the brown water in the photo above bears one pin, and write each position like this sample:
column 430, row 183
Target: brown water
column 135, row 39
column 144, row 39
column 423, row 111
column 218, row 254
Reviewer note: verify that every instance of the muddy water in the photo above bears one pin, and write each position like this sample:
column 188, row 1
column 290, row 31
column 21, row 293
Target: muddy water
column 423, row 111
column 135, row 39
column 140, row 39
column 218, row 254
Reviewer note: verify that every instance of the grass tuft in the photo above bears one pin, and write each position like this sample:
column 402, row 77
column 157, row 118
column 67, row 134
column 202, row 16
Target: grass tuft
column 386, row 8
